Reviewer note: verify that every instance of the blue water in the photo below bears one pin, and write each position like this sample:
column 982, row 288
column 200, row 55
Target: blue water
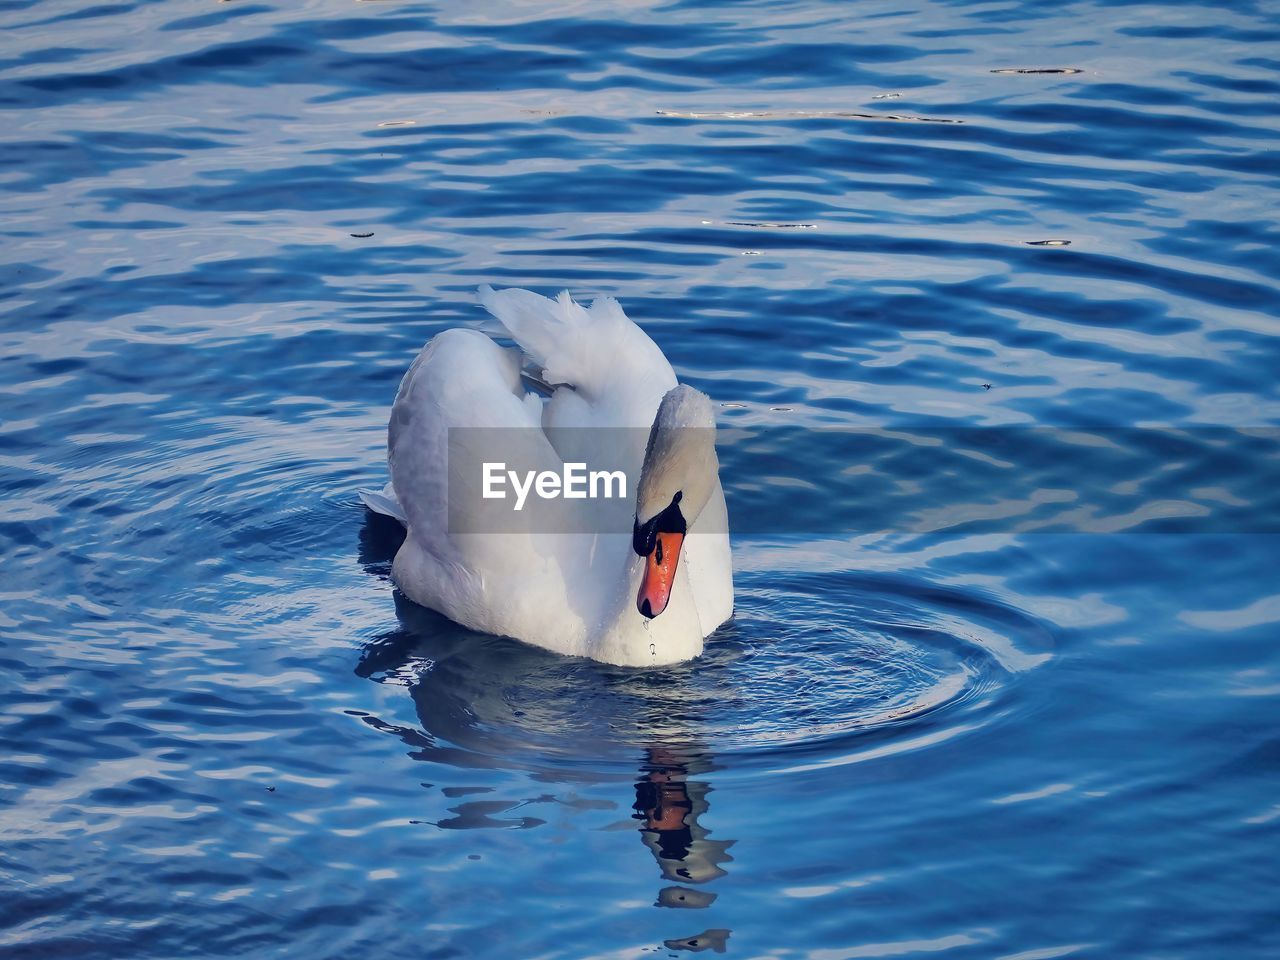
column 226, row 228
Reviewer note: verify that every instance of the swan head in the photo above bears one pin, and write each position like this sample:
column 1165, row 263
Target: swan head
column 678, row 477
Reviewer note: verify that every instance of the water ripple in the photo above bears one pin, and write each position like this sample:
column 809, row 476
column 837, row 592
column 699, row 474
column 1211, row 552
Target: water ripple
column 228, row 228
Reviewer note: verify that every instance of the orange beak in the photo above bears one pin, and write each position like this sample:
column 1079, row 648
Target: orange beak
column 659, row 574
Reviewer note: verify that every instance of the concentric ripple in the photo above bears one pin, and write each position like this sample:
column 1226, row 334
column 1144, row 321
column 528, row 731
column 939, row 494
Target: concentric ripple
column 811, row 663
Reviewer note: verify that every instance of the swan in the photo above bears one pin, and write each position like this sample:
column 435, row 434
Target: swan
column 641, row 581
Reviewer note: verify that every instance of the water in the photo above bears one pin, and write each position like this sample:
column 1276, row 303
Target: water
column 228, row 227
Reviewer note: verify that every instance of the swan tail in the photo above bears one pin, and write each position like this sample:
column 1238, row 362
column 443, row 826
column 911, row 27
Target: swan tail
column 581, row 347
column 384, row 503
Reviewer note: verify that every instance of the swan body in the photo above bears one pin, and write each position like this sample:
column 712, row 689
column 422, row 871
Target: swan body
column 592, row 591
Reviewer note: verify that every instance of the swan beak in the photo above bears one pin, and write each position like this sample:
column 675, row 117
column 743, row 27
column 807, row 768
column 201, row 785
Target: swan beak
column 659, row 574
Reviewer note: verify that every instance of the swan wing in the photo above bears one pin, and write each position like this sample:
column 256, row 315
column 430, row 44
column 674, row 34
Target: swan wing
column 604, row 370
column 461, row 378
column 505, row 582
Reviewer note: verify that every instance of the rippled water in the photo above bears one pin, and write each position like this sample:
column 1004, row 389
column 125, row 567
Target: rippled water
column 227, row 228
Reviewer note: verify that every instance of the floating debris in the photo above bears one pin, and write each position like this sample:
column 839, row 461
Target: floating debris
column 768, row 224
column 886, row 96
column 986, row 386
column 1060, row 70
column 800, row 115
column 362, row 236
column 1048, row 243
column 753, row 253
column 783, row 409
column 398, row 123
column 734, row 405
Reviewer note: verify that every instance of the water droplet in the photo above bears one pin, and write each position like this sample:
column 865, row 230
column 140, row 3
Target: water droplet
column 653, row 649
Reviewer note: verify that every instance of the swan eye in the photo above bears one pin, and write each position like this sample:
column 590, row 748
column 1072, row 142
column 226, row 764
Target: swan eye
column 644, row 536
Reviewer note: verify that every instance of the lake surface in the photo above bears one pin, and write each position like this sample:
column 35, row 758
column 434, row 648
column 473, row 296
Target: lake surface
column 1023, row 709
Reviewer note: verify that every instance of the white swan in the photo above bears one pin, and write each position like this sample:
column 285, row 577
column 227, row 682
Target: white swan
column 646, row 591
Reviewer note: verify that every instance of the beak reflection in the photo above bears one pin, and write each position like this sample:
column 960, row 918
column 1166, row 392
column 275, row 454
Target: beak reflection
column 668, row 805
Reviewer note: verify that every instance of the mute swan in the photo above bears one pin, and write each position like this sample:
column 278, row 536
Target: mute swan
column 644, row 597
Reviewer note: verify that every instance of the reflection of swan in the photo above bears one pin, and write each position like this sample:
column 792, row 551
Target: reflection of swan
column 484, row 702
column 649, row 598
column 668, row 804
